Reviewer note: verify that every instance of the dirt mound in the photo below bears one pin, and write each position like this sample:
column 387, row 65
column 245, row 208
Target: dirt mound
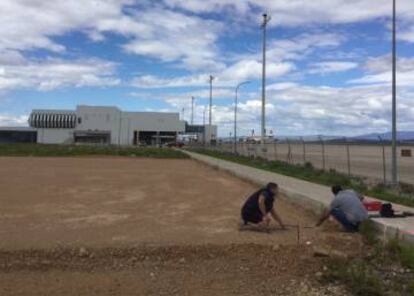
column 247, row 269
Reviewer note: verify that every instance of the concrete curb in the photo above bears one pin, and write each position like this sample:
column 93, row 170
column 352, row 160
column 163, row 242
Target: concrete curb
column 311, row 196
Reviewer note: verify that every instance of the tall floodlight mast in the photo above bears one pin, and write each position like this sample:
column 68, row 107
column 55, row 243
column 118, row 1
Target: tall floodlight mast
column 394, row 97
column 192, row 110
column 266, row 20
column 211, row 100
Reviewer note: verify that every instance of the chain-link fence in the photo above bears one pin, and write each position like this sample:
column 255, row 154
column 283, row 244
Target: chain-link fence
column 366, row 159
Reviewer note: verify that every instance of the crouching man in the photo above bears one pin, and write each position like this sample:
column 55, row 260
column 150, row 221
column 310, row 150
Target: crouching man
column 259, row 208
column 346, row 208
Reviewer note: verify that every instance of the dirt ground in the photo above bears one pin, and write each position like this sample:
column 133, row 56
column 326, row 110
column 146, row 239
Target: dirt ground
column 125, row 226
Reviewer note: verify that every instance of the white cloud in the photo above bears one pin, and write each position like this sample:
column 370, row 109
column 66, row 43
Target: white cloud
column 331, row 67
column 238, row 72
column 252, row 69
column 176, row 36
column 151, row 81
column 379, row 71
column 150, row 29
column 28, row 24
column 13, row 120
column 407, row 35
column 300, row 109
column 302, row 12
column 56, row 73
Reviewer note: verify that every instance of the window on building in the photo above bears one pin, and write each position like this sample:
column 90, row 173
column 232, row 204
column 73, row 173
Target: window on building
column 79, row 120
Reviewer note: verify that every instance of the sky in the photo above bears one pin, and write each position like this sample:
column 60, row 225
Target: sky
column 328, row 61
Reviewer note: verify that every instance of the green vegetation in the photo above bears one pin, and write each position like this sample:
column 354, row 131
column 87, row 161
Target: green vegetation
column 400, row 251
column 359, row 277
column 368, row 232
column 386, row 269
column 87, row 150
column 403, row 195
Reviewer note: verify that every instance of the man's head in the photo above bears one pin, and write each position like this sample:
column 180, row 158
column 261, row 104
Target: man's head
column 272, row 187
column 336, row 189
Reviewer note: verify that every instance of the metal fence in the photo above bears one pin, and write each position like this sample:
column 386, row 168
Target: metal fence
column 372, row 160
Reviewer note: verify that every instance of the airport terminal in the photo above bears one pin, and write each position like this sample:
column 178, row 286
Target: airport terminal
column 105, row 125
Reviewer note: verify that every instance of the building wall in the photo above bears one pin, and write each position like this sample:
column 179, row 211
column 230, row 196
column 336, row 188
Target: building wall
column 55, row 135
column 120, row 125
column 100, row 119
column 148, row 122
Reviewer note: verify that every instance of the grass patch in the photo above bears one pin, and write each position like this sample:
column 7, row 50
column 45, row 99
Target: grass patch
column 368, row 232
column 87, row 150
column 403, row 195
column 403, row 252
column 386, row 269
column 357, row 276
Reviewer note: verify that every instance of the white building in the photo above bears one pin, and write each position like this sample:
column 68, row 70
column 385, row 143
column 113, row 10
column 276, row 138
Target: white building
column 109, row 125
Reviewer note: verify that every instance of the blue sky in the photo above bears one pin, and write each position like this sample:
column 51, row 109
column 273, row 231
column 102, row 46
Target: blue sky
column 328, row 61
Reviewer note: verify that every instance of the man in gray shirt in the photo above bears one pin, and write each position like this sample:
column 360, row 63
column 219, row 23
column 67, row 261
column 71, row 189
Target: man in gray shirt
column 346, row 208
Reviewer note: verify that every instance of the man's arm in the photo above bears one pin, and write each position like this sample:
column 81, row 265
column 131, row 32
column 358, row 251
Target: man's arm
column 277, row 218
column 325, row 215
column 262, row 207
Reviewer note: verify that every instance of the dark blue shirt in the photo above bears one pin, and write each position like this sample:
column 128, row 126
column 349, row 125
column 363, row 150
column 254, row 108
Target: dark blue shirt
column 251, row 206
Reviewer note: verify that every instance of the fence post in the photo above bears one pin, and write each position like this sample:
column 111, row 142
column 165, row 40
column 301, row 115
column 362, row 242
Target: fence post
column 275, row 151
column 348, row 157
column 289, row 155
column 323, row 152
column 384, row 168
column 304, row 150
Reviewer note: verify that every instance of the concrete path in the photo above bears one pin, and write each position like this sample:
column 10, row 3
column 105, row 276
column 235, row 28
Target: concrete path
column 310, row 195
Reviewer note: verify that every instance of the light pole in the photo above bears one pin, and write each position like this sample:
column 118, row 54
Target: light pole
column 235, row 114
column 266, row 20
column 204, row 125
column 394, row 97
column 192, row 110
column 211, row 99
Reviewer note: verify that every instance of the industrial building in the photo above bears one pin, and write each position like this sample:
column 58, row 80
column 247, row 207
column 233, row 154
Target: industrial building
column 104, row 125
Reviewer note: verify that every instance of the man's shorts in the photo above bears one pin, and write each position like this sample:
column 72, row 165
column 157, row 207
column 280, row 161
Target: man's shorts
column 252, row 217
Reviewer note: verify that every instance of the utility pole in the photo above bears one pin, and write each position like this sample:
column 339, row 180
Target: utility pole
column 235, row 114
column 394, row 97
column 266, row 20
column 192, row 110
column 204, row 125
column 211, row 100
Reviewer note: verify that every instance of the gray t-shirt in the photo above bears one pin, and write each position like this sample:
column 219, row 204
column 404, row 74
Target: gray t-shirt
column 348, row 201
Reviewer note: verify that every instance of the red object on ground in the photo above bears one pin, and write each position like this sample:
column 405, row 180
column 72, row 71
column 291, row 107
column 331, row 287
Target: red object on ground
column 372, row 205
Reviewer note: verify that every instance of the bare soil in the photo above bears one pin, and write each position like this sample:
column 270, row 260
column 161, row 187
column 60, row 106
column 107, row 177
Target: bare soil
column 131, row 226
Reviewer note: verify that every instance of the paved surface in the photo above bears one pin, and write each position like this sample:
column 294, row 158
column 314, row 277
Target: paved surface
column 310, row 195
column 365, row 160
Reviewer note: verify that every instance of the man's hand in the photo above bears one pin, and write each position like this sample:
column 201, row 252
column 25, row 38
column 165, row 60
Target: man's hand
column 325, row 215
column 266, row 220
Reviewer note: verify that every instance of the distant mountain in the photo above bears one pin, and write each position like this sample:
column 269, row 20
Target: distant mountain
column 401, row 136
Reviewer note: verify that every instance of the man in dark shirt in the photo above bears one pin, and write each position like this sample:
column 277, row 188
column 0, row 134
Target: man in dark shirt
column 259, row 207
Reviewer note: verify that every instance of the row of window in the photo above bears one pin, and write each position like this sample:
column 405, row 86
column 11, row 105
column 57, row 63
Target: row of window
column 51, row 120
